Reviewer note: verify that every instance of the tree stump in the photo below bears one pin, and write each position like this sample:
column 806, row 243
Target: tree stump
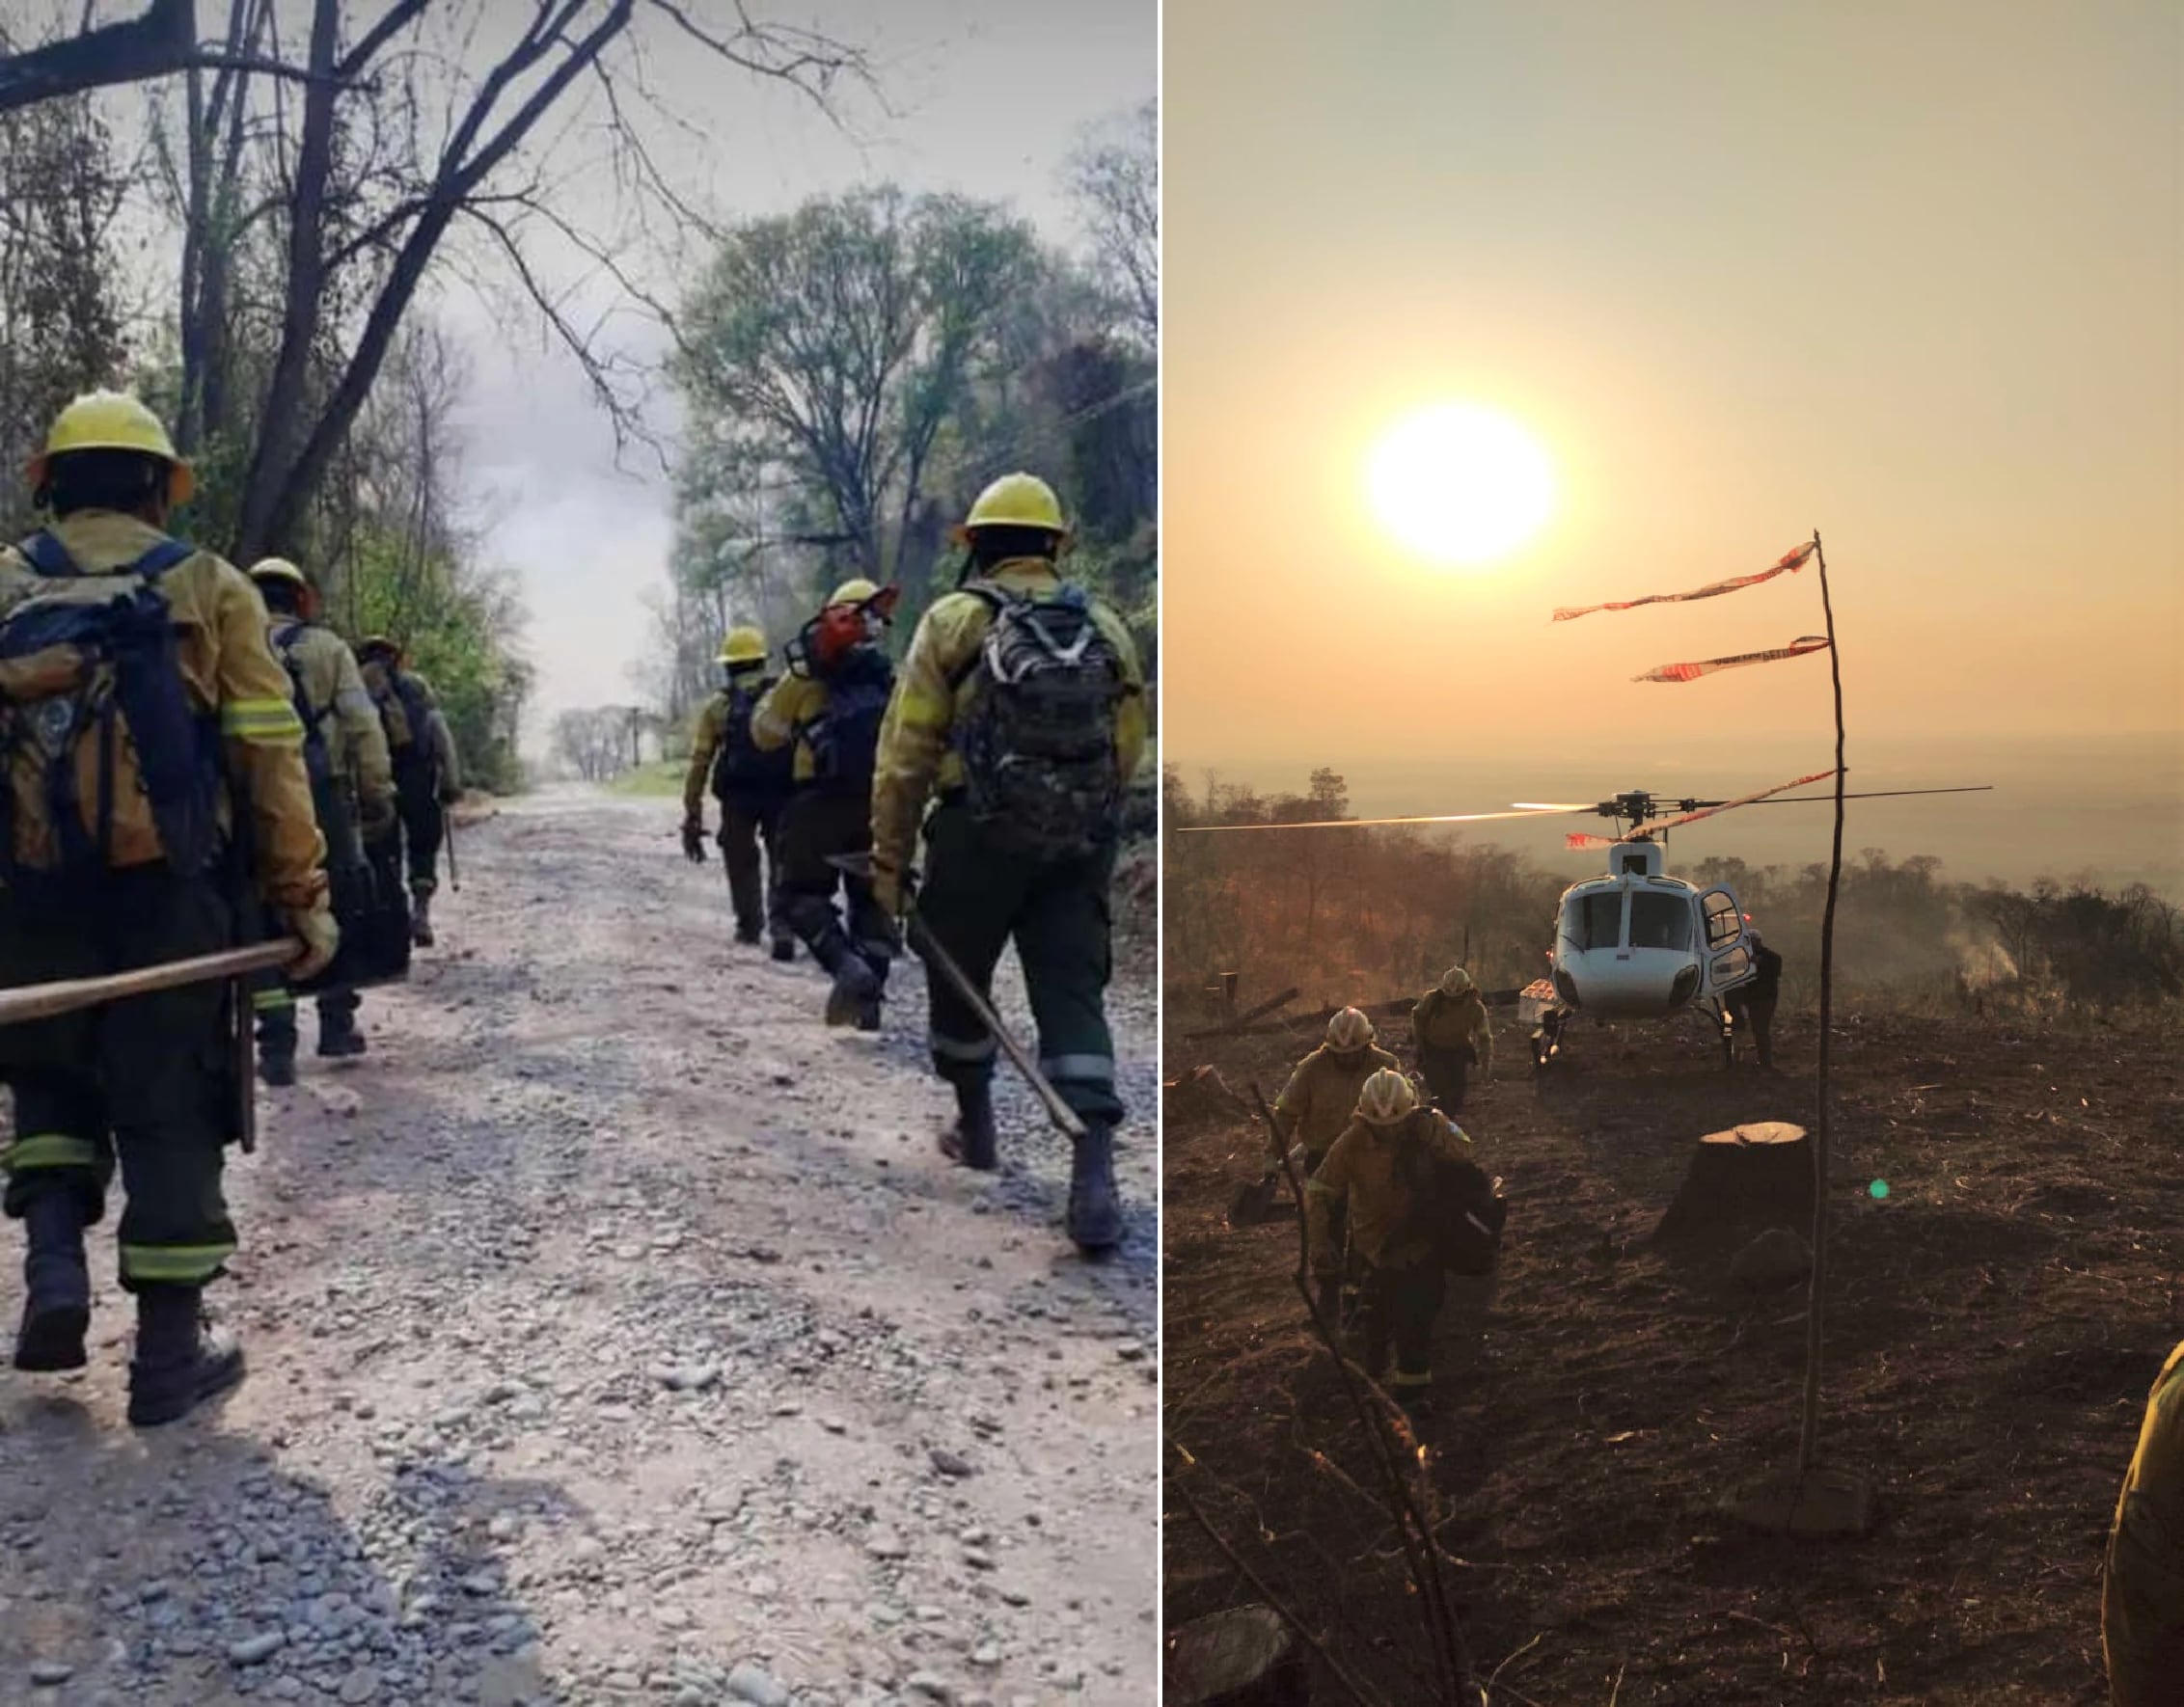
column 1245, row 1657
column 1740, row 1183
column 1200, row 1096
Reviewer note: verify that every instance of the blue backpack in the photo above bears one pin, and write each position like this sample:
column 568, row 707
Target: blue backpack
column 97, row 690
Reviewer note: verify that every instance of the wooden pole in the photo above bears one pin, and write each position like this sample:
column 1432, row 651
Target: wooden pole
column 43, row 1001
column 1808, row 1436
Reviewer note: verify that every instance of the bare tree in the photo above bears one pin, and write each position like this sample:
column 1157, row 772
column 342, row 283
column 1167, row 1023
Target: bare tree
column 1116, row 179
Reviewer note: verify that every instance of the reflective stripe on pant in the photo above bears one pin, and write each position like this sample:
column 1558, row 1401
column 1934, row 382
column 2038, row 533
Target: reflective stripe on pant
column 147, row 1082
column 754, row 885
column 977, row 898
column 1401, row 1308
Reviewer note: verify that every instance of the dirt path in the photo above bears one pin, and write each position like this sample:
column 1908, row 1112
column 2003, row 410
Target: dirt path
column 617, row 1334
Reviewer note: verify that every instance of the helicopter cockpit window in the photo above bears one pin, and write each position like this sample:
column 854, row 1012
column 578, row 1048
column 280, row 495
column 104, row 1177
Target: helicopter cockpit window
column 1660, row 921
column 1722, row 921
column 1596, row 921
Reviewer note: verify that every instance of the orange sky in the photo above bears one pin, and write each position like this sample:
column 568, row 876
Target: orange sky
column 1912, row 275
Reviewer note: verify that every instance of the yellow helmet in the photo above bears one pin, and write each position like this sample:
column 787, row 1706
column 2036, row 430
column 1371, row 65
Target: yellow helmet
column 854, row 591
column 1348, row 1030
column 1456, row 981
column 278, row 569
column 1388, row 1098
column 111, row 421
column 1015, row 501
column 743, row 645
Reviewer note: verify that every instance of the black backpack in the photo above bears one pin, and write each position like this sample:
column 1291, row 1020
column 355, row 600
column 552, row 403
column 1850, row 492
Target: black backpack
column 1037, row 739
column 845, row 736
column 744, row 769
column 1455, row 1207
column 317, row 756
column 109, row 674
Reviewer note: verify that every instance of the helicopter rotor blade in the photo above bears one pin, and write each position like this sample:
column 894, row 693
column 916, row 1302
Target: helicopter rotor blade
column 1876, row 793
column 1551, row 806
column 1371, row 823
column 1751, row 799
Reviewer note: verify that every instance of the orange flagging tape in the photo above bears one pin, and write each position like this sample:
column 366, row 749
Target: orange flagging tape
column 1788, row 563
column 1691, row 672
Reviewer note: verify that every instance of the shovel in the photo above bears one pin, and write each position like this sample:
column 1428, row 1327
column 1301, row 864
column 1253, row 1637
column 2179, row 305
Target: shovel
column 1064, row 1117
column 1258, row 1202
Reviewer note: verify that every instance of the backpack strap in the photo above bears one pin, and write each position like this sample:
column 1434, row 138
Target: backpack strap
column 48, row 554
column 51, row 558
column 995, row 600
column 163, row 557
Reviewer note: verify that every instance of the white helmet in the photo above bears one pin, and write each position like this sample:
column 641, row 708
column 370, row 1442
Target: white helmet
column 1348, row 1030
column 1388, row 1098
column 1456, row 981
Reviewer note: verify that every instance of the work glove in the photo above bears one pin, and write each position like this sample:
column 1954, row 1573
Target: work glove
column 451, row 794
column 693, row 843
column 321, row 939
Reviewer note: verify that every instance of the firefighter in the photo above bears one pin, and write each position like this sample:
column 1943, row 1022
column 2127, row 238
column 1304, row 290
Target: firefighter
column 128, row 656
column 428, row 776
column 751, row 786
column 1448, row 1026
column 1751, row 1005
column 1022, row 716
column 1374, row 1171
column 2142, row 1593
column 352, row 787
column 827, row 711
column 1320, row 1097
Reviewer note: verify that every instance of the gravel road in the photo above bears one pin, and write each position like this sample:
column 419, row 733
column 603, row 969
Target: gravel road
column 617, row 1334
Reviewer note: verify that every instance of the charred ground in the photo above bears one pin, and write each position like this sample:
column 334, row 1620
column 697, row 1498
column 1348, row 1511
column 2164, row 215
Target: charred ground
column 1994, row 1324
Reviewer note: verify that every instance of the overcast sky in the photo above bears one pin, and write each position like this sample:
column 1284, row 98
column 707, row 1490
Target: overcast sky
column 983, row 96
column 1912, row 275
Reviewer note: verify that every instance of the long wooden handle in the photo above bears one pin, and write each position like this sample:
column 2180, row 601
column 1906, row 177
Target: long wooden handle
column 43, row 1001
column 933, row 955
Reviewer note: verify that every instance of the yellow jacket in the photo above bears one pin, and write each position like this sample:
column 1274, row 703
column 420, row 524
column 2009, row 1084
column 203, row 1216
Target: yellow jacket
column 2142, row 1598
column 1363, row 1169
column 227, row 670
column 934, row 687
column 1320, row 1097
column 1442, row 1022
column 787, row 713
column 333, row 686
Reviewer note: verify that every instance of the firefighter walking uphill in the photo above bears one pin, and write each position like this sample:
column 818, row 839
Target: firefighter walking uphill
column 150, row 738
column 352, row 790
column 752, row 786
column 1021, row 717
column 826, row 713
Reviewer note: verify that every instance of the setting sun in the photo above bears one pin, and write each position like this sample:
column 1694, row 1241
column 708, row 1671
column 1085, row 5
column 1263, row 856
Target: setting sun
column 1460, row 484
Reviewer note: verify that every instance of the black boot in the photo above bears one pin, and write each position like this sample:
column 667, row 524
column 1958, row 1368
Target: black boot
column 277, row 1061
column 337, row 1035
column 868, row 1015
column 182, row 1360
column 1095, row 1217
column 748, row 935
column 56, row 1285
column 421, row 918
column 971, row 1140
column 785, row 946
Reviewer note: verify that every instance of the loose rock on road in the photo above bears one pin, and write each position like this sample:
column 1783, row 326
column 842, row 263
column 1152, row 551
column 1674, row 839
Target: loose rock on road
column 617, row 1334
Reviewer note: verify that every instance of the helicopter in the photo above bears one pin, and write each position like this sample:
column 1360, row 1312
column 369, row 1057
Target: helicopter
column 1636, row 944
